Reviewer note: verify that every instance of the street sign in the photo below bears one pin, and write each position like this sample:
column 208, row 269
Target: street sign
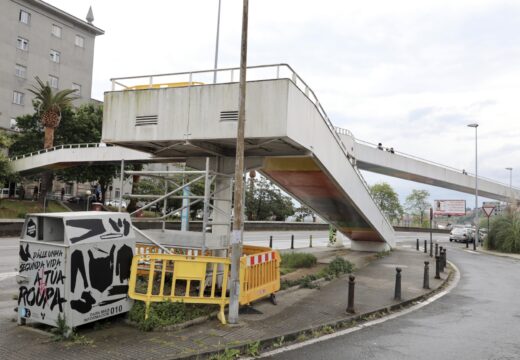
column 488, row 210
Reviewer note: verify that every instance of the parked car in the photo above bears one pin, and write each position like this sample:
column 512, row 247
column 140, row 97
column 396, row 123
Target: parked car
column 115, row 203
column 462, row 234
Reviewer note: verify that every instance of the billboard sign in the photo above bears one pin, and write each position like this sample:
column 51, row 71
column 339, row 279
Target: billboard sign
column 449, row 207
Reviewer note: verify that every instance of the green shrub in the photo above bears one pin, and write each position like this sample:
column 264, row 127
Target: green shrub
column 298, row 260
column 337, row 267
column 504, row 233
column 166, row 313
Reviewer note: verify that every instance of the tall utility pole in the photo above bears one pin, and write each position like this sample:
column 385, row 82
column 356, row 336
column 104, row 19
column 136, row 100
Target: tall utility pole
column 237, row 237
column 216, row 45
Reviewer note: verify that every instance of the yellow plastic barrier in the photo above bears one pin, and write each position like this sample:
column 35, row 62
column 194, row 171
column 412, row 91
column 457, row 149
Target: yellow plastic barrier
column 259, row 276
column 259, row 273
column 164, row 85
column 184, row 271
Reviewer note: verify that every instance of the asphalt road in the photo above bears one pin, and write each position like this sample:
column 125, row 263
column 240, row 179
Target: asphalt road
column 478, row 319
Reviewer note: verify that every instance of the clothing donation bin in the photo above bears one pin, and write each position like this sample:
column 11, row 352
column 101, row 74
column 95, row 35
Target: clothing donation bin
column 75, row 265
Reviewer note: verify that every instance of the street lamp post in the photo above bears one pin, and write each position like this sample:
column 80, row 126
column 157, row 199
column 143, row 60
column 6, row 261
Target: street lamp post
column 510, row 169
column 216, row 44
column 476, row 188
column 88, row 192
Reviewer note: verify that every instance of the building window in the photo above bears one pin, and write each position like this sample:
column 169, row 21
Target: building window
column 77, row 87
column 21, row 71
column 22, row 44
column 55, row 56
column 24, row 17
column 18, row 97
column 56, row 30
column 53, row 81
column 79, row 41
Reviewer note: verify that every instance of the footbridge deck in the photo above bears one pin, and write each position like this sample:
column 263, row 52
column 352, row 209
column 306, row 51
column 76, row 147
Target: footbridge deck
column 289, row 138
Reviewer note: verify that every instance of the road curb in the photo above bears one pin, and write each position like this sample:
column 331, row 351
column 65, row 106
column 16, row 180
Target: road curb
column 343, row 323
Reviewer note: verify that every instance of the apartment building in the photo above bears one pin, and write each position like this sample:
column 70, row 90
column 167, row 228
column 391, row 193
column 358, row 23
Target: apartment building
column 38, row 39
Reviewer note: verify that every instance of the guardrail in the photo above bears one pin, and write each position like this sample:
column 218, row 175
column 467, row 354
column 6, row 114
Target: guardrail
column 60, row 147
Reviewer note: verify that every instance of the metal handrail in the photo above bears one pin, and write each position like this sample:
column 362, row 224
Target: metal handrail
column 293, row 77
column 60, row 147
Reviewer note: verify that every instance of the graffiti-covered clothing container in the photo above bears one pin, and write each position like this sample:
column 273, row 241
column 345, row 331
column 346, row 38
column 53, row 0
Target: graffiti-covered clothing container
column 76, row 265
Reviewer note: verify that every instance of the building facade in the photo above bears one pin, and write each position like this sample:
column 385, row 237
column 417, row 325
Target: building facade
column 38, row 39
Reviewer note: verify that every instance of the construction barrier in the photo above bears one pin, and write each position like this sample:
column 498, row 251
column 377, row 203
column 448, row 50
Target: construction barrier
column 196, row 279
column 179, row 278
column 259, row 273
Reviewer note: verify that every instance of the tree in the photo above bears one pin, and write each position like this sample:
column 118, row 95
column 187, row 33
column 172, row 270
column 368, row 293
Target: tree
column 264, row 201
column 5, row 169
column 49, row 105
column 417, row 204
column 387, row 199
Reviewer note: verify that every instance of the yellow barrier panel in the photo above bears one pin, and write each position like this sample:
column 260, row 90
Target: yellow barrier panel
column 259, row 273
column 176, row 277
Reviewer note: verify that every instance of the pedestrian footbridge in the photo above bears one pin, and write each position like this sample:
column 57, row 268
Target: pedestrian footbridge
column 65, row 156
column 288, row 137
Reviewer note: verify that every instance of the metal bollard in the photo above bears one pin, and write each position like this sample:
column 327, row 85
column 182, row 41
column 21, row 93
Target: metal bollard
column 431, row 248
column 397, row 292
column 443, row 258
column 445, row 261
column 310, row 241
column 417, row 244
column 271, row 241
column 436, row 249
column 426, row 280
column 292, row 242
column 425, row 246
column 351, row 285
column 437, row 266
column 467, row 243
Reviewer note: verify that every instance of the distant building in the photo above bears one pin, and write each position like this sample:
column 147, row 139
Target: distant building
column 38, row 39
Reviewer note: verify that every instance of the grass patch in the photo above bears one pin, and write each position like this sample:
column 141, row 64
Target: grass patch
column 166, row 313
column 335, row 268
column 382, row 254
column 293, row 261
column 17, row 209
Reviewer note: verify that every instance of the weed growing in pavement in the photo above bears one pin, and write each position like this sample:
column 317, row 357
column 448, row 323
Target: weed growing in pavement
column 62, row 330
column 253, row 349
column 327, row 329
column 302, row 337
column 279, row 342
column 228, row 354
column 337, row 267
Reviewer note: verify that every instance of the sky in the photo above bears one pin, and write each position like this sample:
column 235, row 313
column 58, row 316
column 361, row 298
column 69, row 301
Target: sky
column 408, row 74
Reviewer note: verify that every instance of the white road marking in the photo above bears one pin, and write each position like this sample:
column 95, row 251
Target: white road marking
column 7, row 275
column 365, row 325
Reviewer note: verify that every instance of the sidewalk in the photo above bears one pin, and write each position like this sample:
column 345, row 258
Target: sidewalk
column 297, row 310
